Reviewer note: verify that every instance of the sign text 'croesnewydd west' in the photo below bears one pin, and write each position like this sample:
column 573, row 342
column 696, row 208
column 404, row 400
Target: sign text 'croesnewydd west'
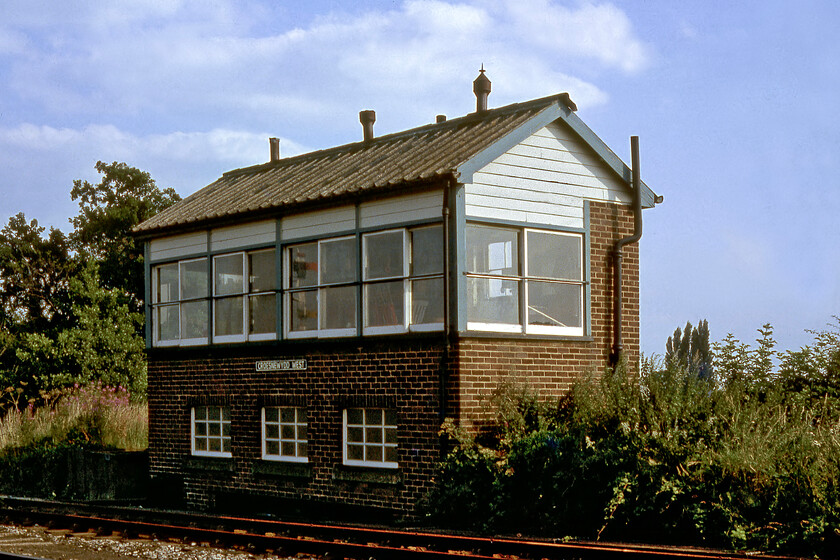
column 281, row 365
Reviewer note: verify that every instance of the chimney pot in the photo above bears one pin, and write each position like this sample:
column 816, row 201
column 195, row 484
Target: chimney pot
column 440, row 119
column 481, row 88
column 274, row 148
column 367, row 118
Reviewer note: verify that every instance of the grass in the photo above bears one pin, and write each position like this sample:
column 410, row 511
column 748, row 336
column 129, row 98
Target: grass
column 92, row 414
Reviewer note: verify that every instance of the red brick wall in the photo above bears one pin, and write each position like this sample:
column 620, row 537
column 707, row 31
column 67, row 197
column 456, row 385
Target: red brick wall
column 403, row 376
column 550, row 366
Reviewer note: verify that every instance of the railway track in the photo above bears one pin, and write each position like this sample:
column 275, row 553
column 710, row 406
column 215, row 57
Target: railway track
column 327, row 541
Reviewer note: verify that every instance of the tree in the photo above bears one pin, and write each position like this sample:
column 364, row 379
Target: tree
column 690, row 349
column 124, row 197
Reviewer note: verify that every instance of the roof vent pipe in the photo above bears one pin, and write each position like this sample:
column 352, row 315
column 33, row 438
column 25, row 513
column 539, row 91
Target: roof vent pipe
column 367, row 118
column 481, row 88
column 274, row 148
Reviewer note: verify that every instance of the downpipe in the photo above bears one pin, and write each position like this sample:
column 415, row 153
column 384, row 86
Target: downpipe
column 636, row 183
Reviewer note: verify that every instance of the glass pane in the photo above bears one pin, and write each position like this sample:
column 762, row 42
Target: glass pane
column 167, row 283
column 554, row 305
column 384, row 255
column 391, row 417
column 385, row 304
column 288, row 448
column 224, row 413
column 338, row 307
column 354, row 415
column 303, row 267
column 373, row 416
column 228, row 316
column 391, row 454
column 272, row 448
column 303, row 314
column 287, row 431
column 492, row 301
column 200, row 412
column 194, row 279
column 214, row 444
column 200, row 444
column 302, row 415
column 228, row 275
column 302, row 449
column 554, row 255
column 427, row 301
column 214, row 429
column 338, row 261
column 272, row 431
column 194, row 319
column 226, row 445
column 373, row 453
column 168, row 322
column 287, row 415
column 301, row 432
column 373, row 435
column 271, row 414
column 261, row 275
column 262, row 313
column 355, row 452
column 354, row 435
column 492, row 250
column 427, row 251
column 390, row 435
column 226, row 429
column 201, row 429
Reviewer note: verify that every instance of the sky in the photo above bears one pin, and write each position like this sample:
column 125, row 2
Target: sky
column 735, row 103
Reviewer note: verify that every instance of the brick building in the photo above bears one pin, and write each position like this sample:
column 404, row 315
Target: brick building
column 312, row 320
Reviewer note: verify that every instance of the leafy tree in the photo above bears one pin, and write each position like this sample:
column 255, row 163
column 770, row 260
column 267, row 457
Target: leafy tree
column 691, row 349
column 101, row 343
column 108, row 210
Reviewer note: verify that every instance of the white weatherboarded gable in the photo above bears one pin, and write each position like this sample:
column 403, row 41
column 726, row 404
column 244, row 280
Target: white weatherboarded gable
column 173, row 247
column 543, row 180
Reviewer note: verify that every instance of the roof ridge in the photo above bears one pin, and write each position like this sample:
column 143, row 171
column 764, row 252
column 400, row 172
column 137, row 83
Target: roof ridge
column 449, row 123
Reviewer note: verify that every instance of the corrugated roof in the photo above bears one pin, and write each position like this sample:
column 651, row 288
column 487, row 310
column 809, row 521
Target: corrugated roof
column 420, row 154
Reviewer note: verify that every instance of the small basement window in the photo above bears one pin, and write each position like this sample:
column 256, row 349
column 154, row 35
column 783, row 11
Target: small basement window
column 284, row 434
column 211, row 431
column 370, row 437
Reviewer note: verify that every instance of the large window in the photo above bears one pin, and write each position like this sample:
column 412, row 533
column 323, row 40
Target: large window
column 211, row 431
column 403, row 280
column 284, row 434
column 179, row 303
column 542, row 293
column 243, row 296
column 321, row 288
column 370, row 437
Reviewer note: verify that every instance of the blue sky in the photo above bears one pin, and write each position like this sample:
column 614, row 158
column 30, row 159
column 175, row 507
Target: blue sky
column 735, row 104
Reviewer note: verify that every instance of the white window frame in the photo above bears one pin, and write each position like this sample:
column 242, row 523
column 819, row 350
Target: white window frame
column 245, row 294
column 280, row 439
column 221, row 437
column 366, row 283
column 545, row 329
column 364, row 427
column 318, row 288
column 523, row 280
column 156, row 341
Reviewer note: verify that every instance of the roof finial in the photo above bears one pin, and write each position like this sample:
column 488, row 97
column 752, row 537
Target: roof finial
column 481, row 88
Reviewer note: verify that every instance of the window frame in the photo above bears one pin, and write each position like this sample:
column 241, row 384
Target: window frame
column 364, row 427
column 222, row 438
column 245, row 294
column 524, row 280
column 280, row 457
column 178, row 303
column 319, row 288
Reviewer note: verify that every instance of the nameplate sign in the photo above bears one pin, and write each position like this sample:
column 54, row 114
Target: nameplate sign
column 281, row 365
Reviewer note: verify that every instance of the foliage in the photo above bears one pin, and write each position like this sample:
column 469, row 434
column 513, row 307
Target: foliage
column 108, row 210
column 690, row 349
column 747, row 460
column 71, row 306
column 94, row 414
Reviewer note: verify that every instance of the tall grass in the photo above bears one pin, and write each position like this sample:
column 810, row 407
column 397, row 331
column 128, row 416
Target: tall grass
column 92, row 414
